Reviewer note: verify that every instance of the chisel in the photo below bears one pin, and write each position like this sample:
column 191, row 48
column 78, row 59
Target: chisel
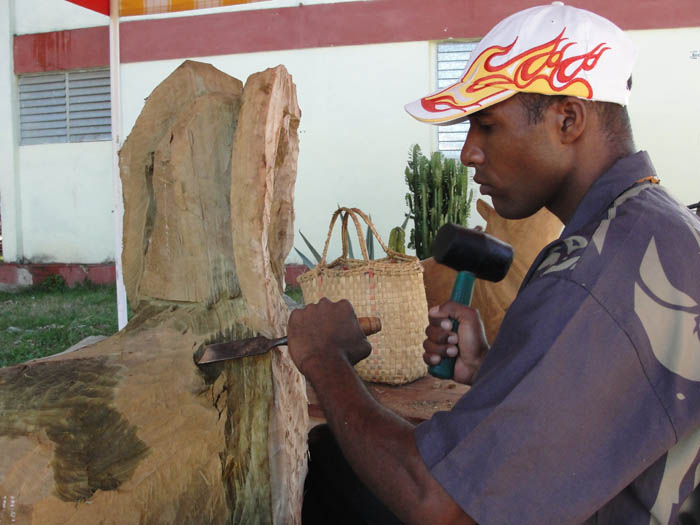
column 216, row 352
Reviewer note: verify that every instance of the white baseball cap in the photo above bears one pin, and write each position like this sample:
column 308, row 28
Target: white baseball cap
column 552, row 49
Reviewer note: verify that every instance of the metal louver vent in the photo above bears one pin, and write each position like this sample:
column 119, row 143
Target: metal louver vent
column 64, row 107
column 452, row 58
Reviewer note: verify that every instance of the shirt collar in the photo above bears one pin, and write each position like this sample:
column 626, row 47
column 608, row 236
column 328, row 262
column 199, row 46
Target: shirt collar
column 621, row 175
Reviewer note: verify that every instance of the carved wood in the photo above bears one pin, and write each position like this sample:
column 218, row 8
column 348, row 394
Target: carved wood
column 129, row 430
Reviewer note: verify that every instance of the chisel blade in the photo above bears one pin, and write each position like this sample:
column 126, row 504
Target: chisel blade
column 216, row 352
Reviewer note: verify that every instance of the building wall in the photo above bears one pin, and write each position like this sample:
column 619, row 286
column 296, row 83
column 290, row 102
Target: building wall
column 33, row 16
column 664, row 106
column 66, row 202
column 354, row 134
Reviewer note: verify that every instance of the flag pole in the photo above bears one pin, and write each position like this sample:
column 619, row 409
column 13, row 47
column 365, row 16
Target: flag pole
column 118, row 202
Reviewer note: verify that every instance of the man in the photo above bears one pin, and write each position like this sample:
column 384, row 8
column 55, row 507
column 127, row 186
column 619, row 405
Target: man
column 585, row 409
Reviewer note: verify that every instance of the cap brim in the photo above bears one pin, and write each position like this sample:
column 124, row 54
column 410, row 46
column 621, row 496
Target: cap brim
column 450, row 104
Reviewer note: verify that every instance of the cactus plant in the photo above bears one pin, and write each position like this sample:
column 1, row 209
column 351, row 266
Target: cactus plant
column 438, row 194
column 397, row 240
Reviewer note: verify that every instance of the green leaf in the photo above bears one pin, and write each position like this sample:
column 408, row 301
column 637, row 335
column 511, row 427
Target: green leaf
column 370, row 241
column 307, row 262
column 310, row 246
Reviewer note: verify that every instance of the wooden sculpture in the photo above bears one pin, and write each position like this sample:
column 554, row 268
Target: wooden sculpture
column 129, row 430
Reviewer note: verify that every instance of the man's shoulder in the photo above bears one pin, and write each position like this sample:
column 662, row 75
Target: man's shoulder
column 640, row 263
column 616, row 240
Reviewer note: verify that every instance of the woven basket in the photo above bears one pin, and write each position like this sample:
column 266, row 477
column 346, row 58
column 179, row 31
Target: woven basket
column 390, row 288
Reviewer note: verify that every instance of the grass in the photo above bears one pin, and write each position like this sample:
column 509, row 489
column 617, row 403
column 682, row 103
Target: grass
column 295, row 293
column 49, row 319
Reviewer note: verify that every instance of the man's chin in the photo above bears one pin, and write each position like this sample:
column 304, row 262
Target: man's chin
column 511, row 212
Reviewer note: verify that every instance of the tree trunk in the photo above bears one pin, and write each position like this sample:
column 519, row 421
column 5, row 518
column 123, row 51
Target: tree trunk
column 129, row 430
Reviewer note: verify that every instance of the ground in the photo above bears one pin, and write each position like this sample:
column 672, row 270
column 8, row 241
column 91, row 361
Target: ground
column 46, row 320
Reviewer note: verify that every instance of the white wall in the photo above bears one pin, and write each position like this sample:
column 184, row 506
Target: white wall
column 67, row 202
column 43, row 16
column 354, row 133
column 665, row 106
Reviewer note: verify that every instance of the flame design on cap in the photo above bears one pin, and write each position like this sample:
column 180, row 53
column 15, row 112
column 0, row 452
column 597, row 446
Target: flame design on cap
column 541, row 69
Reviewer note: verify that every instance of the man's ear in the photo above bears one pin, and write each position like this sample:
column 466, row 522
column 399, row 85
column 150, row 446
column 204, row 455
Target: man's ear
column 571, row 118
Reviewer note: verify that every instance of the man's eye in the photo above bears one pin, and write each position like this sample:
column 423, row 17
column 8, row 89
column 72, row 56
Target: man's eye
column 481, row 124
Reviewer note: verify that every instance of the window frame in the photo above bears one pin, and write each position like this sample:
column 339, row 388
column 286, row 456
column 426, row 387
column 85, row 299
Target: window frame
column 60, row 107
column 451, row 58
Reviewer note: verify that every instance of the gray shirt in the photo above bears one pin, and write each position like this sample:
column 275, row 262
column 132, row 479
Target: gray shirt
column 587, row 406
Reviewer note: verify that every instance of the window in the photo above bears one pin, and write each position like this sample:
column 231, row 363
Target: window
column 69, row 106
column 452, row 58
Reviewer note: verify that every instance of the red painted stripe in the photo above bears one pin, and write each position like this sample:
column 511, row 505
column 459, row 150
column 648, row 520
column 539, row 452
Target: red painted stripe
column 72, row 273
column 351, row 23
column 81, row 48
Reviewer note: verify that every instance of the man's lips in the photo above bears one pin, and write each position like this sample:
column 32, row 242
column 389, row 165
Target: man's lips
column 484, row 188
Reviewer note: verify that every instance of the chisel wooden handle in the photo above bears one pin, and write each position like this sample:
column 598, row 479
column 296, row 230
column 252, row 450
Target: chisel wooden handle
column 370, row 325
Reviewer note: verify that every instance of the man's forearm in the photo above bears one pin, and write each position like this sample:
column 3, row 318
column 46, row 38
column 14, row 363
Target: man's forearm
column 380, row 446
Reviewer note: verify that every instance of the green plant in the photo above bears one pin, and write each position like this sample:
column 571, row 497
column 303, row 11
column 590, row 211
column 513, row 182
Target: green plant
column 317, row 256
column 53, row 283
column 438, row 194
column 304, row 259
column 294, row 292
column 397, row 240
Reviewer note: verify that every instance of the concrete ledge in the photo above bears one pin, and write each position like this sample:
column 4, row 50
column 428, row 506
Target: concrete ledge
column 15, row 276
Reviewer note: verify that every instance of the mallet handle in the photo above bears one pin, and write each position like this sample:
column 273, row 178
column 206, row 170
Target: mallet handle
column 461, row 293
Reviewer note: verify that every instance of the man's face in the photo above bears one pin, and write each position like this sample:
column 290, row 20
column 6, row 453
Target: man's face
column 522, row 166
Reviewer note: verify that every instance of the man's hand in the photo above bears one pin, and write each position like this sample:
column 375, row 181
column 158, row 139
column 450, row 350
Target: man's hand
column 325, row 331
column 469, row 346
column 325, row 340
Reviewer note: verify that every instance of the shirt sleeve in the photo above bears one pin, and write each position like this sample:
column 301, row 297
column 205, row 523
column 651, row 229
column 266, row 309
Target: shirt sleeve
column 560, row 419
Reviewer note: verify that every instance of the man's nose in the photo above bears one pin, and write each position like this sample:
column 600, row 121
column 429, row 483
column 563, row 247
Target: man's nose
column 472, row 155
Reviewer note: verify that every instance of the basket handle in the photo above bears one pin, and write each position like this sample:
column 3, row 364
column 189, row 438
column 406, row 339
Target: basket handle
column 345, row 213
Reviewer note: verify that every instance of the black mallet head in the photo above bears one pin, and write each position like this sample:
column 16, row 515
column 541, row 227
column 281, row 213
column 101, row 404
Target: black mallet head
column 474, row 251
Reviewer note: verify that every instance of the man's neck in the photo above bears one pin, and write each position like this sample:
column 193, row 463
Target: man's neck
column 592, row 163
